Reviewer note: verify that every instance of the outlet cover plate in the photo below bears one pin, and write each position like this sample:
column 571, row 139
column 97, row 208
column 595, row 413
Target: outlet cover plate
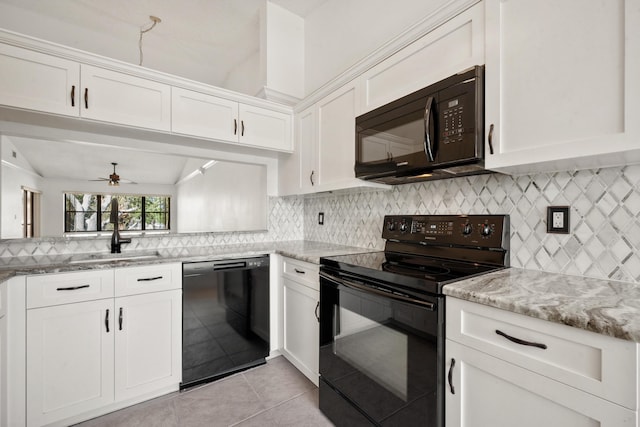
column 558, row 219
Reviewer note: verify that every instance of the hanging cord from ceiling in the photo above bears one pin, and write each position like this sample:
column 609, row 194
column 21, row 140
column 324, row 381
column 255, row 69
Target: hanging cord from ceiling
column 155, row 21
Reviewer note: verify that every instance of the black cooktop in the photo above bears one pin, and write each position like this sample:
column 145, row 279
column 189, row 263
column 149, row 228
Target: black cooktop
column 425, row 252
column 419, row 273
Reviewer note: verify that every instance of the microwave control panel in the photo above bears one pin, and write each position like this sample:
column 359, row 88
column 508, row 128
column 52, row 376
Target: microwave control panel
column 452, row 121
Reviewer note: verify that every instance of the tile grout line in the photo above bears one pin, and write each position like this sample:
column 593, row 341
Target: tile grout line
column 269, row 408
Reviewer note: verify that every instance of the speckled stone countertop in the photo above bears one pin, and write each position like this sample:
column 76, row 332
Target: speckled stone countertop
column 603, row 306
column 302, row 250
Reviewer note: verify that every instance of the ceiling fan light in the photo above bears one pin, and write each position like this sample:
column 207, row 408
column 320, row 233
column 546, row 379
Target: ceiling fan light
column 113, row 183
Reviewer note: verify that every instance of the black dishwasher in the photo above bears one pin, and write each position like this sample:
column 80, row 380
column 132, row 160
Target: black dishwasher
column 225, row 318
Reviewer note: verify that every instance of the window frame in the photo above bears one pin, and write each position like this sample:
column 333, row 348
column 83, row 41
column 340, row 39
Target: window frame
column 99, row 198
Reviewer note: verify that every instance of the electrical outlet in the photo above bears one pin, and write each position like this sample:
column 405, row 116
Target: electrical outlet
column 558, row 219
column 321, row 218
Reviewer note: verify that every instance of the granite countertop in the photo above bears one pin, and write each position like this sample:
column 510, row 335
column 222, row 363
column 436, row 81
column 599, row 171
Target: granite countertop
column 607, row 307
column 308, row 251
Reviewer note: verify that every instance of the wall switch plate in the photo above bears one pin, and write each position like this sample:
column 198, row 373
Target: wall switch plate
column 321, row 218
column 558, row 219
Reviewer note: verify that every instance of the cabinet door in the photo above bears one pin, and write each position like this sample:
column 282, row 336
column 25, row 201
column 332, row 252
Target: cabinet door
column 265, row 128
column 36, row 81
column 301, row 328
column 207, row 116
column 119, row 98
column 456, row 45
column 336, row 137
column 69, row 360
column 148, row 330
column 562, row 90
column 486, row 391
column 308, row 149
column 3, row 372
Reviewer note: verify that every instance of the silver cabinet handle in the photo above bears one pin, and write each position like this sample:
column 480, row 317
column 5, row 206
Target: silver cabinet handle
column 299, row 271
column 235, row 126
column 241, row 127
column 86, row 98
column 311, row 178
column 316, row 311
column 120, row 319
column 106, row 321
column 73, row 95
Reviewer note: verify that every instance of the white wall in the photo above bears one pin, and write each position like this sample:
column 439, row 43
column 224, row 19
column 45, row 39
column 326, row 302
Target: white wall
column 15, row 173
column 340, row 33
column 115, row 39
column 227, row 197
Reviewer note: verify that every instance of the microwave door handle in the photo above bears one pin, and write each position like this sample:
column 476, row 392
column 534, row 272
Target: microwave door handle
column 428, row 148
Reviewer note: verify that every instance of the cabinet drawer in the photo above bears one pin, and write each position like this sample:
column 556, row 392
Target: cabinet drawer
column 302, row 272
column 63, row 288
column 148, row 278
column 599, row 364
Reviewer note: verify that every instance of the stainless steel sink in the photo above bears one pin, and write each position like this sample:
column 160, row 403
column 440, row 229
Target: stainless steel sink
column 108, row 257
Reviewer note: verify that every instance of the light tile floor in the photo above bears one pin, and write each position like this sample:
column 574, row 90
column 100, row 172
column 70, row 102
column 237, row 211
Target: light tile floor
column 275, row 394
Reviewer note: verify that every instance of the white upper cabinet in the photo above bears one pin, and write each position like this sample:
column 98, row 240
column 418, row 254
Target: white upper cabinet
column 208, row 116
column 102, row 90
column 336, row 137
column 456, row 45
column 40, row 82
column 124, row 99
column 325, row 147
column 265, row 128
column 562, row 88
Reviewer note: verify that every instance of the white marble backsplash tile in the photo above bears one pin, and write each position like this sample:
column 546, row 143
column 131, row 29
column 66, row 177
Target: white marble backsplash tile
column 604, row 239
column 285, row 223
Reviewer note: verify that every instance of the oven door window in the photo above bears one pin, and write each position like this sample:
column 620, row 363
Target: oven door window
column 381, row 354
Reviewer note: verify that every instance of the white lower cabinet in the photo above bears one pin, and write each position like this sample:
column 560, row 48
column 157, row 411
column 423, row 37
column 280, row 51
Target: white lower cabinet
column 301, row 300
column 147, row 343
column 492, row 392
column 69, row 360
column 507, row 369
column 119, row 346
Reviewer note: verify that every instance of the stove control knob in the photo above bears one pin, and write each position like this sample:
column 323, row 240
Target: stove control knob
column 404, row 226
column 486, row 230
column 391, row 225
column 467, row 229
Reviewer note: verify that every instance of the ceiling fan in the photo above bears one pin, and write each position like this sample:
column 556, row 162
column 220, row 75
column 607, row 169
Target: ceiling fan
column 114, row 179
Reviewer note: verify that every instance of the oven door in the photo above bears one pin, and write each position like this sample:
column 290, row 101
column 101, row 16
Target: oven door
column 381, row 354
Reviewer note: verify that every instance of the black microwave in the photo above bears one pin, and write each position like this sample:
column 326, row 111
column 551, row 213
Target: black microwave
column 434, row 133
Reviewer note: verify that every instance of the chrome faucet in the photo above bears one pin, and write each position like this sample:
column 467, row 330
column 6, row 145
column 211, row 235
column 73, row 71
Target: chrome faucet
column 116, row 240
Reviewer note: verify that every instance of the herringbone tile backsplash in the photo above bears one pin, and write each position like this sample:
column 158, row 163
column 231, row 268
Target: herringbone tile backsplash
column 604, row 239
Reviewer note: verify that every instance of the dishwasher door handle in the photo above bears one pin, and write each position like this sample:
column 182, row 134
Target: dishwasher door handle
column 218, row 267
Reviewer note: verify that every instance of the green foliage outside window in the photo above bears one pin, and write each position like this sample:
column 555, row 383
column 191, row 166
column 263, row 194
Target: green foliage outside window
column 135, row 212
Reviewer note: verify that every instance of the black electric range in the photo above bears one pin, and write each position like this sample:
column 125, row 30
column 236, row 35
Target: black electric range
column 382, row 317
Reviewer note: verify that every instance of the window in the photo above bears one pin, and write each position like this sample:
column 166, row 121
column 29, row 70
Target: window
column 92, row 212
column 30, row 213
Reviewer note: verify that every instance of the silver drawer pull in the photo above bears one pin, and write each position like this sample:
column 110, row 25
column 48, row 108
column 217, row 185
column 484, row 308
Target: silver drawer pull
column 149, row 279
column 72, row 288
column 298, row 271
column 521, row 342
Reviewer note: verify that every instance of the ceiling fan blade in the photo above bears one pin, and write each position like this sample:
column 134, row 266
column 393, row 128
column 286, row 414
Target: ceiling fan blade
column 99, row 179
